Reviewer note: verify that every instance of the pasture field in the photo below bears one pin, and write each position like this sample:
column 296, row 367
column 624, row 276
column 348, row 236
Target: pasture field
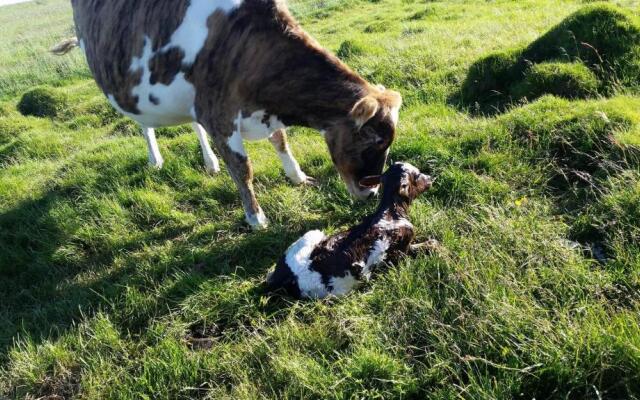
column 120, row 281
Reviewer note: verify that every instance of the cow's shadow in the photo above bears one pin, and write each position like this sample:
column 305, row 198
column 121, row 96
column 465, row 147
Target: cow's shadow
column 44, row 290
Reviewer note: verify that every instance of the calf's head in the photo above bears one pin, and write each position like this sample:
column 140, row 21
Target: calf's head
column 360, row 144
column 401, row 183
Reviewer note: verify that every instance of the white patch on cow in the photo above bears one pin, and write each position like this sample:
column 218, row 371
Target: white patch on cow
column 343, row 285
column 322, row 132
column 82, row 46
column 210, row 160
column 292, row 168
column 376, row 256
column 193, row 31
column 193, row 113
column 298, row 259
column 235, row 141
column 174, row 101
column 155, row 158
column 257, row 221
column 253, row 127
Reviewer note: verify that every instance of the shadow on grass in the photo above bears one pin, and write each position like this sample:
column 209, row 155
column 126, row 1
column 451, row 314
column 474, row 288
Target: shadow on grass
column 50, row 280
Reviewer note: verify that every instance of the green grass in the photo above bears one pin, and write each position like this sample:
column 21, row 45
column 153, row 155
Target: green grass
column 594, row 50
column 120, row 281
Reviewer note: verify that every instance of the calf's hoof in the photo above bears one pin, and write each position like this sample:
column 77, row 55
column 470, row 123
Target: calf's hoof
column 428, row 247
column 301, row 178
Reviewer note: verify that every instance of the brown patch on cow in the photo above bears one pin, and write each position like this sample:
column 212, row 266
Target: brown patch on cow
column 389, row 98
column 114, row 33
column 279, row 140
column 165, row 65
column 284, row 70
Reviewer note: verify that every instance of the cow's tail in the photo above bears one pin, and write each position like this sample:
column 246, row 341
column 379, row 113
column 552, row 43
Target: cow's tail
column 65, row 46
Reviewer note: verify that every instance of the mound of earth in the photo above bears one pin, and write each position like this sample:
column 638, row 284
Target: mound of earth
column 580, row 141
column 591, row 52
column 42, row 102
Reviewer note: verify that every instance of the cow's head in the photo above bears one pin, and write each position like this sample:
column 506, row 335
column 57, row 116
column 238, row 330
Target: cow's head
column 359, row 145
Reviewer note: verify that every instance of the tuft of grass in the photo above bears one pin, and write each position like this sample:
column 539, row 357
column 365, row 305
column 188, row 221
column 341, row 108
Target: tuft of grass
column 576, row 143
column 42, row 102
column 349, row 49
column 603, row 38
column 568, row 80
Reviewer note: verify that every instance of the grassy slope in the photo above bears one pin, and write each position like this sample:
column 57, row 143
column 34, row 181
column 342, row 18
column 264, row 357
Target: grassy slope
column 117, row 281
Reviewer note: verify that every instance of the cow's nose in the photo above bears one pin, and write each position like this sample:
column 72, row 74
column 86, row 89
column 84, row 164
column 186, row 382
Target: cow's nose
column 362, row 192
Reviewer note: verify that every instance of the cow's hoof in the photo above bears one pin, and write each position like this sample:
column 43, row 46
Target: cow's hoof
column 310, row 181
column 157, row 164
column 212, row 169
column 211, row 164
column 257, row 221
column 303, row 180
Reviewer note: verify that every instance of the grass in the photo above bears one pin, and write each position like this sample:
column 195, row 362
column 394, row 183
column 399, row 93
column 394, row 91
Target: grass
column 594, row 50
column 119, row 281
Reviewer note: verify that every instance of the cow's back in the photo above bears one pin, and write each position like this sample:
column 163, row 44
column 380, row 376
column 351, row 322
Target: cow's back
column 141, row 52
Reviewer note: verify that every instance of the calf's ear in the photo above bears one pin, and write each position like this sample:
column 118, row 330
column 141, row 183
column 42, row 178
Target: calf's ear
column 371, row 181
column 424, row 183
column 364, row 110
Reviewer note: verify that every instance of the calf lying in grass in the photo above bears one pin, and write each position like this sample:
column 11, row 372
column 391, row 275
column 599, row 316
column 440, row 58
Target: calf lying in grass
column 316, row 266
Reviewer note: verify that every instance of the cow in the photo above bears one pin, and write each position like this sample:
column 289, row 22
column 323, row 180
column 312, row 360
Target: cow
column 237, row 70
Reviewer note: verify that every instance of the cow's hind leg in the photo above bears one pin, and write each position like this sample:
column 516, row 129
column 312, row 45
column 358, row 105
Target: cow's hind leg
column 291, row 167
column 155, row 158
column 210, row 160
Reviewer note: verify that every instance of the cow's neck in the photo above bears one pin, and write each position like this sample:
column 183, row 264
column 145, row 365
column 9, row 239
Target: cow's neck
column 303, row 84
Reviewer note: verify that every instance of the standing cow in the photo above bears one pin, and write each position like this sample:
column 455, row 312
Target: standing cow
column 239, row 70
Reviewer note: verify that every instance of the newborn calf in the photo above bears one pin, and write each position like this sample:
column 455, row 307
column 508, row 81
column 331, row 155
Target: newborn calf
column 316, row 266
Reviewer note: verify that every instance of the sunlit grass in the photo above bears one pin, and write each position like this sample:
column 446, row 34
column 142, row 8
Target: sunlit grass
column 121, row 281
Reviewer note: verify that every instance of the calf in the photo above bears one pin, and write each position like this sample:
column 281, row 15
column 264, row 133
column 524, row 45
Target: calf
column 241, row 70
column 317, row 266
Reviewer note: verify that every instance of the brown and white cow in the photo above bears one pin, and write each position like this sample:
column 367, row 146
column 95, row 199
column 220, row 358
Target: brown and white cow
column 239, row 70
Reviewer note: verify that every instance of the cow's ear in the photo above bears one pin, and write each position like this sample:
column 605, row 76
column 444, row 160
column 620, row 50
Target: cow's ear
column 371, row 181
column 364, row 110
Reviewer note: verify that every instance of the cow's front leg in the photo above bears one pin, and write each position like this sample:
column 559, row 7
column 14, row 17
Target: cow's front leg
column 291, row 167
column 235, row 157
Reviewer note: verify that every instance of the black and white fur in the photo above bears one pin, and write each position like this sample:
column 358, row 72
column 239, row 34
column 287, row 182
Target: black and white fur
column 317, row 266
